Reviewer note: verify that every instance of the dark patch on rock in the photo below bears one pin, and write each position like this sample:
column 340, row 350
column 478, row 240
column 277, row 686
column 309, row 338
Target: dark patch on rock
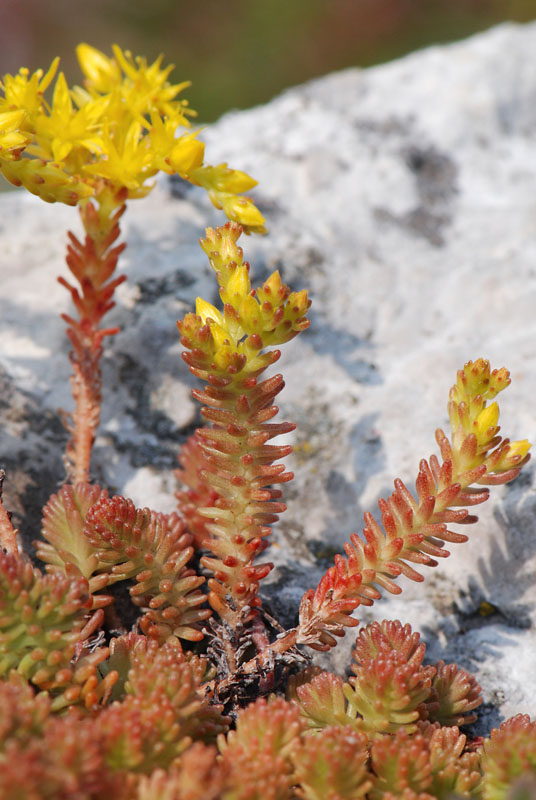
column 308, row 257
column 278, row 599
column 152, row 289
column 451, row 642
column 156, row 438
column 436, row 183
column 489, row 717
column 419, row 221
column 366, row 443
column 476, row 612
column 322, row 552
column 137, row 381
column 346, row 511
column 435, row 174
column 269, row 207
column 523, row 482
column 348, row 350
column 144, row 452
column 31, row 479
column 296, row 266
column 386, row 126
column 180, row 189
column 341, row 492
column 33, row 442
column 507, row 559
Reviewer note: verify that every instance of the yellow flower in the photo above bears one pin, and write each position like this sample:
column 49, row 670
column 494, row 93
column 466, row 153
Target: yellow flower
column 172, row 154
column 142, row 88
column 113, row 135
column 64, row 129
column 23, row 91
column 245, row 326
column 127, row 161
column 12, row 139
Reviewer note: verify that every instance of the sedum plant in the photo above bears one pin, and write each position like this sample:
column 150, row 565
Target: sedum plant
column 207, row 696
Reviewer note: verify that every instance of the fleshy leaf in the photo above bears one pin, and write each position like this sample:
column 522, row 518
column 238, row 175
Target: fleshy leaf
column 65, row 546
column 154, row 550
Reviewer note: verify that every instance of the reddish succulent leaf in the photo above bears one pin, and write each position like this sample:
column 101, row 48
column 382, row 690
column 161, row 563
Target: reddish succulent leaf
column 154, row 550
column 65, row 546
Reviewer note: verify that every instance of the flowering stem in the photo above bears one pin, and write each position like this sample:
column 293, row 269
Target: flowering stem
column 92, row 264
column 415, row 528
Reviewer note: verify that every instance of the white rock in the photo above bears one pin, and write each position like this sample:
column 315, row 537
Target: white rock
column 403, row 197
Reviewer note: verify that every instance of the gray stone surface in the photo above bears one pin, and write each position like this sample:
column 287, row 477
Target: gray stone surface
column 403, row 197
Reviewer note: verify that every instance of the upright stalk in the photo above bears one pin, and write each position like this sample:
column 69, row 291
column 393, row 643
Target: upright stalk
column 230, row 350
column 92, row 263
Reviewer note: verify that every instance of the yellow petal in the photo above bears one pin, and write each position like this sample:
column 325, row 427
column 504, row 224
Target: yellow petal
column 45, row 82
column 102, row 72
column 207, row 310
column 61, row 101
column 486, row 420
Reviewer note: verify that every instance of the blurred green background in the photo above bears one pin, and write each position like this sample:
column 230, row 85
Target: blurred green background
column 241, row 52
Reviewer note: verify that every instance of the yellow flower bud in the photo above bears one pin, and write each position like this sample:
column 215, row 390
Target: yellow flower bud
column 486, row 422
column 46, row 180
column 234, row 181
column 509, row 457
column 250, row 313
column 238, row 285
column 240, row 209
column 299, row 301
column 220, row 336
column 519, row 449
column 187, row 154
column 271, row 287
column 223, row 179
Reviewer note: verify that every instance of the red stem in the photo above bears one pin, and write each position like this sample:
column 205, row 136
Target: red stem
column 92, row 264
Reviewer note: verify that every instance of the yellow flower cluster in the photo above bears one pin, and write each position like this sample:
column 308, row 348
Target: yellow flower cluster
column 251, row 319
column 470, row 414
column 118, row 131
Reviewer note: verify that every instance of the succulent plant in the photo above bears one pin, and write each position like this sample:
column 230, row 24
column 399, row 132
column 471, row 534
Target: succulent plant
column 207, row 697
